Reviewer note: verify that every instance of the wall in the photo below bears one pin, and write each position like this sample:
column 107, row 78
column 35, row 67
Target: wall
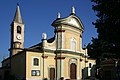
column 18, row 66
column 30, row 66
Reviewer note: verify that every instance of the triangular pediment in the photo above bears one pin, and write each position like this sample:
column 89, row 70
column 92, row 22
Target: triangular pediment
column 71, row 20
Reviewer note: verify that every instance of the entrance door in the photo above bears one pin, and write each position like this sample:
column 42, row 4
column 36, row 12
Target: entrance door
column 52, row 73
column 73, row 71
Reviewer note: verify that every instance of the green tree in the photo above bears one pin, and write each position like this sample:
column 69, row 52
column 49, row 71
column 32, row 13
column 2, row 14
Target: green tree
column 107, row 44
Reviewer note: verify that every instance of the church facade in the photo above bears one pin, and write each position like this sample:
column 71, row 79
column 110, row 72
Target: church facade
column 60, row 57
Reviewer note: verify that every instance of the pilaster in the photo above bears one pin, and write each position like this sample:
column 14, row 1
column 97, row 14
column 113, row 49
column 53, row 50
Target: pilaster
column 60, row 66
column 45, row 72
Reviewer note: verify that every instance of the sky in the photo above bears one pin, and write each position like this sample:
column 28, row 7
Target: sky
column 38, row 16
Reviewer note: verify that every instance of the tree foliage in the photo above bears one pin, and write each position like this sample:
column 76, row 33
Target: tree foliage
column 108, row 29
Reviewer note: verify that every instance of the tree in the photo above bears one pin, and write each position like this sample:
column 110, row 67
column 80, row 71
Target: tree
column 108, row 28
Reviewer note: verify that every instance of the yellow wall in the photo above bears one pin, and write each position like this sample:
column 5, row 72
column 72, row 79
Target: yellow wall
column 49, row 62
column 67, row 64
column 30, row 66
column 69, row 34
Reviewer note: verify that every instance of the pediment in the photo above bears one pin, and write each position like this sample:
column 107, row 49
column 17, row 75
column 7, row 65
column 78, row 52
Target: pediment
column 71, row 20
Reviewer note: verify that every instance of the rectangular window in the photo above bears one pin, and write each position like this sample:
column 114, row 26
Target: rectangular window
column 35, row 72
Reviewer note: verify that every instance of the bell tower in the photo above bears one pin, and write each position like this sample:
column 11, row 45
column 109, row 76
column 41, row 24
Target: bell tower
column 17, row 33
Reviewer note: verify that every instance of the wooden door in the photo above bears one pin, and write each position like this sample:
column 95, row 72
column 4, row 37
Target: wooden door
column 73, row 71
column 52, row 73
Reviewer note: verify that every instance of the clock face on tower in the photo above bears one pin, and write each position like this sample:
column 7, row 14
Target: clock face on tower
column 19, row 37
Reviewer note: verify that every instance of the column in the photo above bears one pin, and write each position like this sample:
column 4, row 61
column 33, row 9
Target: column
column 60, row 67
column 45, row 66
column 81, row 69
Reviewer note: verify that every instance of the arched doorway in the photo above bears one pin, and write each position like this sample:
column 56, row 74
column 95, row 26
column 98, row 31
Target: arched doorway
column 73, row 71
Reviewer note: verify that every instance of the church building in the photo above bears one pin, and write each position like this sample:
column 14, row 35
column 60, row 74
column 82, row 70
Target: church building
column 58, row 58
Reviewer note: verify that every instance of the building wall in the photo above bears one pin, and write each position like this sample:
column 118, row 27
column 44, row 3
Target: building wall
column 29, row 65
column 50, row 62
column 70, row 58
column 6, row 62
column 72, row 33
column 18, row 66
column 1, row 74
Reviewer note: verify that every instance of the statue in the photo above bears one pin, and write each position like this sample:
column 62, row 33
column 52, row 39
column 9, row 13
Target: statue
column 73, row 9
column 58, row 15
column 44, row 35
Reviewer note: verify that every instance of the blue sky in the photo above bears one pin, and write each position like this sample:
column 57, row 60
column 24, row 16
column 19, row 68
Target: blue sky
column 38, row 16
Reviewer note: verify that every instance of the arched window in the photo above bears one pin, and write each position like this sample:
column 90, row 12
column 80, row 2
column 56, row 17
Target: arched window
column 19, row 29
column 73, row 44
column 36, row 62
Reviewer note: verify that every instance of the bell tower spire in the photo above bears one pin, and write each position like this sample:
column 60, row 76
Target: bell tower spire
column 17, row 33
column 17, row 17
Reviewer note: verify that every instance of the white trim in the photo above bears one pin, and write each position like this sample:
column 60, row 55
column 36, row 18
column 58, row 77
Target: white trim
column 60, row 72
column 62, row 67
column 62, row 40
column 59, row 41
column 58, row 68
column 80, row 69
column 73, row 60
column 65, row 49
column 45, row 67
column 80, row 43
column 66, row 78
